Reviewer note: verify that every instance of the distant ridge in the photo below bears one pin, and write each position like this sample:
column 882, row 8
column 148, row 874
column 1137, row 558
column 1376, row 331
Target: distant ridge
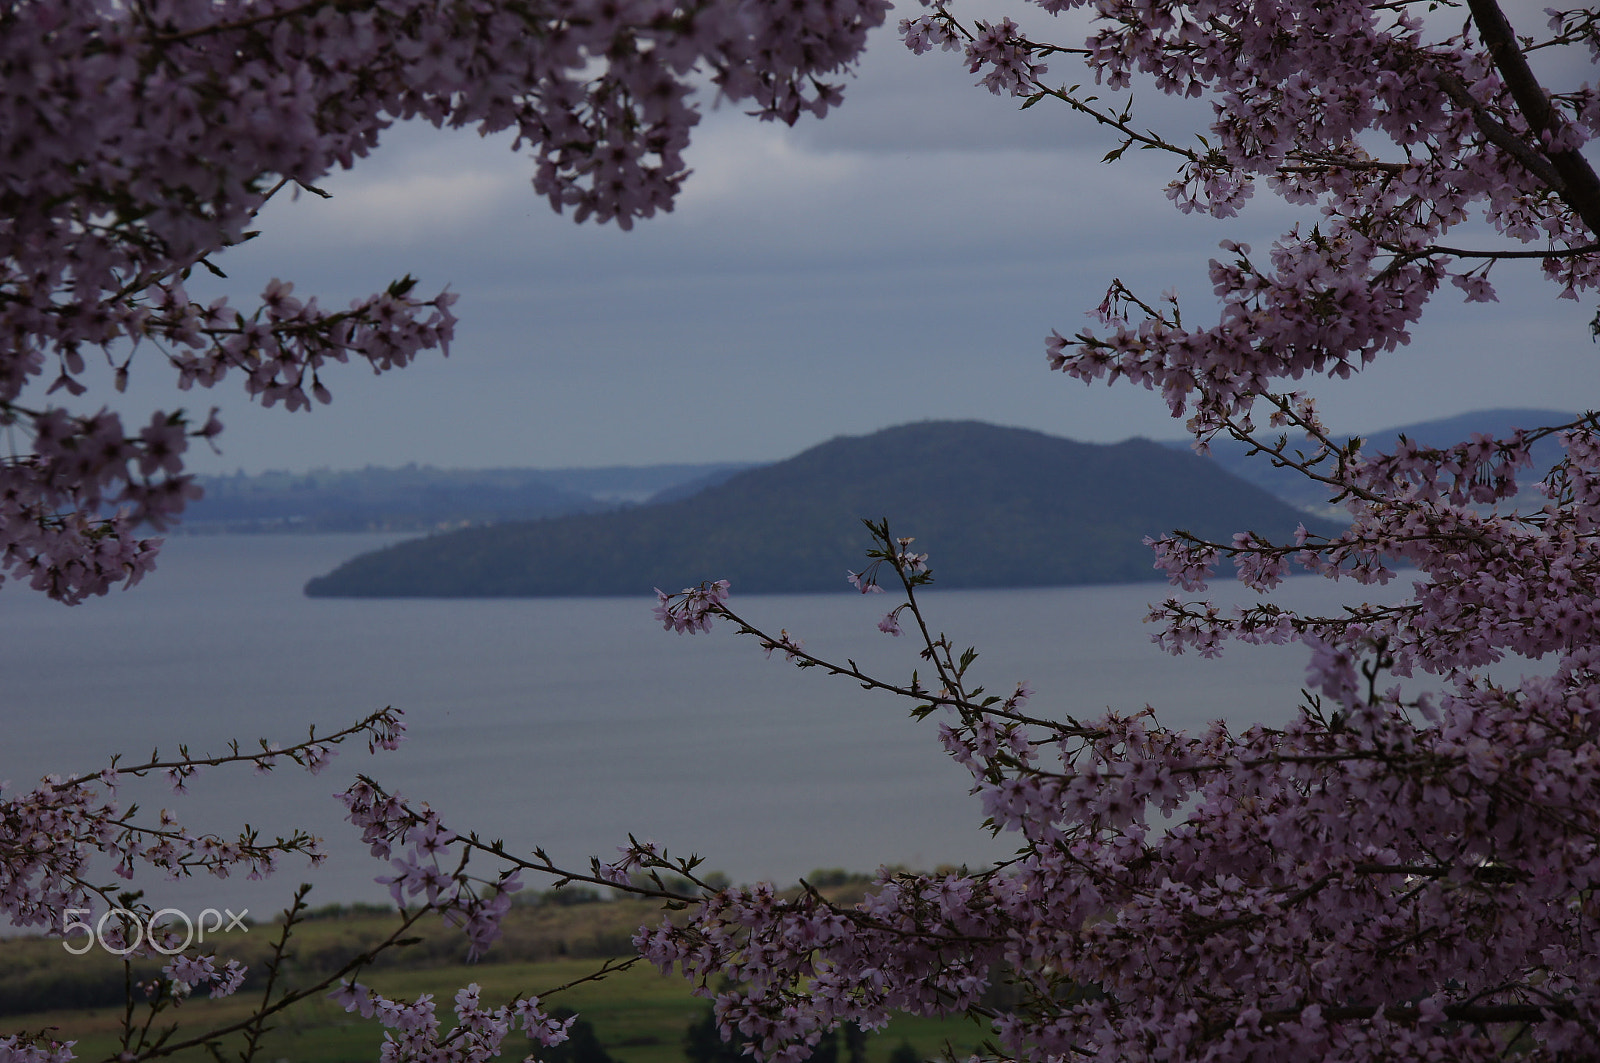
column 423, row 498
column 995, row 507
column 412, row 498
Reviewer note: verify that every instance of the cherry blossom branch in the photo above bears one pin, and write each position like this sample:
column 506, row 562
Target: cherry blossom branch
column 935, row 650
column 96, row 251
column 384, row 728
column 1457, row 252
column 1502, row 137
column 1574, row 179
column 252, row 1025
column 40, row 882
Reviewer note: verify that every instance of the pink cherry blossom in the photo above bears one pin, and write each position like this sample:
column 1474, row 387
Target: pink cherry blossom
column 1403, row 867
column 141, row 144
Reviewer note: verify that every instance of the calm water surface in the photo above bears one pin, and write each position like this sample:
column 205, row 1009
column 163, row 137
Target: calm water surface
column 568, row 723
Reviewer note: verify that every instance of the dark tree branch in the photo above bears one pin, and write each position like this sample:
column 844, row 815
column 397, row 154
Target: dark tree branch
column 1579, row 186
column 1501, row 137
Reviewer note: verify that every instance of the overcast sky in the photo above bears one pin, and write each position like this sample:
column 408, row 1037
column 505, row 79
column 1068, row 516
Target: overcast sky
column 903, row 259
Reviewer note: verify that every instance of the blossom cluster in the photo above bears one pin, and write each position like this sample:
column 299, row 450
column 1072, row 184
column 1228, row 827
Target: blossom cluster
column 142, row 141
column 431, row 865
column 18, row 1048
column 188, row 972
column 413, row 1030
column 54, row 833
column 1396, row 128
column 1390, row 874
column 60, row 836
column 1396, row 870
column 1496, row 583
column 691, row 609
column 1383, row 877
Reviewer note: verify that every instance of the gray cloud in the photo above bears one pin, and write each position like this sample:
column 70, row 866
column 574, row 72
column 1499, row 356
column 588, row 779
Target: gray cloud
column 902, row 259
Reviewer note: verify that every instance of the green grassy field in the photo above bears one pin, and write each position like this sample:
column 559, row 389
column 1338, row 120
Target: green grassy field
column 638, row 1015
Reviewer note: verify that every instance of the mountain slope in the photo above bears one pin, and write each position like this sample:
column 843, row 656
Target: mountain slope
column 995, row 507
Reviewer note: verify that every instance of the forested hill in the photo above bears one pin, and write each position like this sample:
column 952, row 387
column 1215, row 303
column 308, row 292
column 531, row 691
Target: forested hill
column 994, row 507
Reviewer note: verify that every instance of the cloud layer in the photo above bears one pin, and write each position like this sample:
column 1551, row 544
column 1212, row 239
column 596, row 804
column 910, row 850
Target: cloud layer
column 902, row 259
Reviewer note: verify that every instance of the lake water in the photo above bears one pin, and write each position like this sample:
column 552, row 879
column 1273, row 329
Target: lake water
column 568, row 723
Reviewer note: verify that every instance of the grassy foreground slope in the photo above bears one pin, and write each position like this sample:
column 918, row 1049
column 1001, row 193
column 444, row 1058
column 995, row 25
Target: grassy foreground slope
column 996, row 507
column 638, row 1015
